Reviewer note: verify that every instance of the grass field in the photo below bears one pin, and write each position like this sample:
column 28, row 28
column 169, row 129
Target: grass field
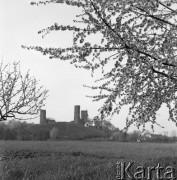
column 78, row 160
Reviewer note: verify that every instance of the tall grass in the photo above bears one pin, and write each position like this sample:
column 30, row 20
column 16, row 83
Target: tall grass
column 81, row 160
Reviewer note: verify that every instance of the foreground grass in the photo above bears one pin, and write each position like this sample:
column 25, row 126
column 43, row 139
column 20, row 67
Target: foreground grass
column 79, row 159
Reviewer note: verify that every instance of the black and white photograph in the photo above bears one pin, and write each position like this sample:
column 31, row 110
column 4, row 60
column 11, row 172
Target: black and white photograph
column 88, row 89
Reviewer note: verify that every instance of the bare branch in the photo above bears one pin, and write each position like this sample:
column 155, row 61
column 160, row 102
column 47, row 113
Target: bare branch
column 20, row 94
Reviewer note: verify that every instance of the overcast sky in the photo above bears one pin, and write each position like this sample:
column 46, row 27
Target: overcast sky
column 19, row 24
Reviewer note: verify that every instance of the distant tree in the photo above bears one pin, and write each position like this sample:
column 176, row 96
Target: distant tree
column 2, row 130
column 97, row 122
column 134, row 136
column 119, row 136
column 43, row 135
column 19, row 129
column 54, row 133
column 116, row 129
column 108, row 125
column 136, row 53
column 123, row 136
column 115, row 135
column 8, row 134
column 13, row 124
column 20, row 95
column 173, row 133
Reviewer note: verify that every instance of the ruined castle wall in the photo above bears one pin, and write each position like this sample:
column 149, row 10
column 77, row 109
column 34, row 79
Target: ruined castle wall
column 77, row 114
column 42, row 116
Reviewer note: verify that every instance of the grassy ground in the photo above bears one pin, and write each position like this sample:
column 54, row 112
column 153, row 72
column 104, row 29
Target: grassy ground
column 78, row 160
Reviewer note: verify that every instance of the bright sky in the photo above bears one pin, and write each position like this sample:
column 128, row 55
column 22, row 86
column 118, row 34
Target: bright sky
column 20, row 23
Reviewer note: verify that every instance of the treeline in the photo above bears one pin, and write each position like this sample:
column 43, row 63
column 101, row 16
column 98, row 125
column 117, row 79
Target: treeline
column 136, row 136
column 18, row 130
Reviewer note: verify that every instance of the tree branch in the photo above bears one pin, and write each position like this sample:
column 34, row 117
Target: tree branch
column 167, row 7
column 166, row 75
column 154, row 17
column 125, row 44
column 169, row 64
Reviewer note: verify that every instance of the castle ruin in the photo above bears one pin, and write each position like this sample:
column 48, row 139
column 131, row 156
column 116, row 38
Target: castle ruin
column 76, row 114
column 79, row 117
column 43, row 119
column 84, row 115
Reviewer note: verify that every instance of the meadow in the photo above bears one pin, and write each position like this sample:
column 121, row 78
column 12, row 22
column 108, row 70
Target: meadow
column 79, row 160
